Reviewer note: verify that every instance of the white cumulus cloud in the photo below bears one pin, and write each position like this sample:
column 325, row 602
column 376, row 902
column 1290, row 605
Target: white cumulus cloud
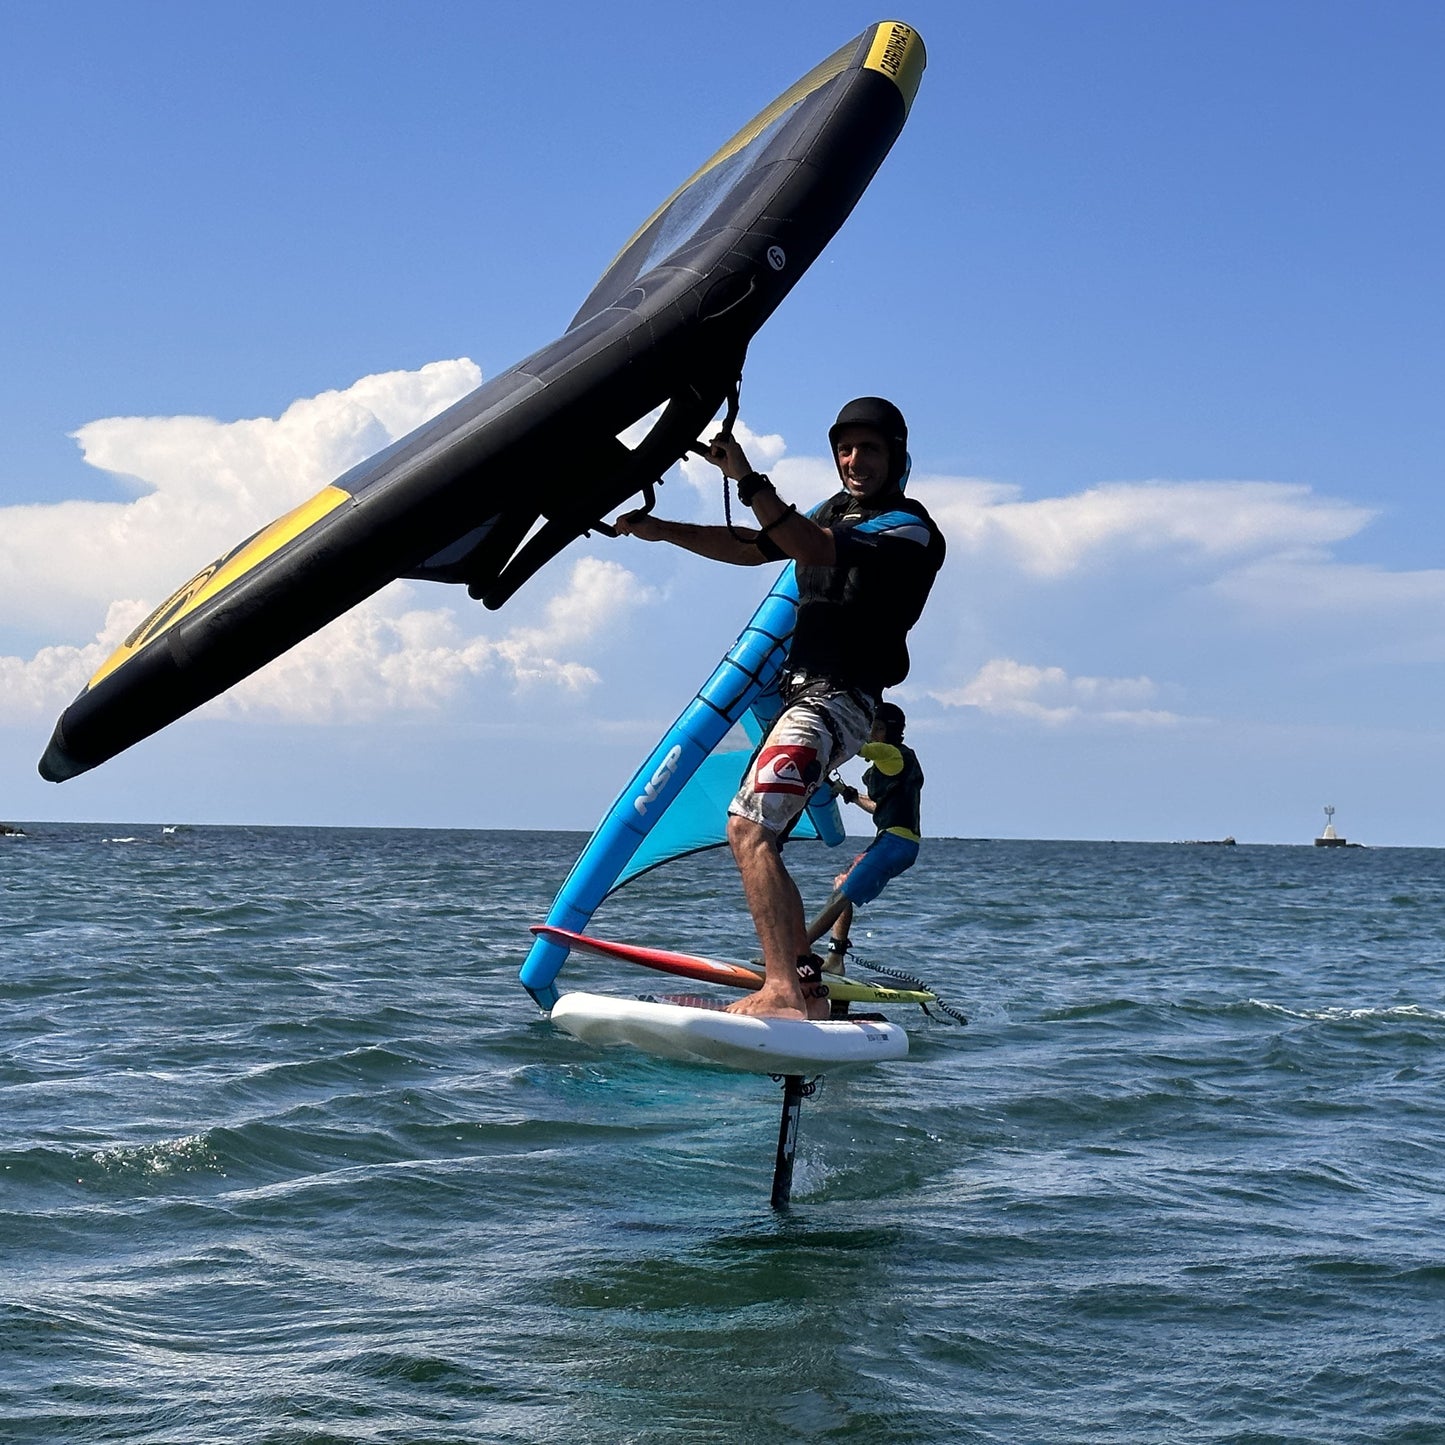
column 1304, row 583
column 1222, row 521
column 199, row 486
column 389, row 656
column 1007, row 688
column 80, row 574
column 93, row 570
column 42, row 684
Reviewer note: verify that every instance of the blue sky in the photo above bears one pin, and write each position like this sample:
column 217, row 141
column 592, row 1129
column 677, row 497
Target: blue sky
column 1157, row 286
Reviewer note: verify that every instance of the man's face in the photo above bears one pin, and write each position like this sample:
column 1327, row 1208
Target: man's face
column 862, row 457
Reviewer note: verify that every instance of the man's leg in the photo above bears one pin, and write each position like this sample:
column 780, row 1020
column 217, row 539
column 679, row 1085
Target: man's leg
column 824, row 921
column 777, row 910
column 837, row 915
column 838, row 943
column 805, row 742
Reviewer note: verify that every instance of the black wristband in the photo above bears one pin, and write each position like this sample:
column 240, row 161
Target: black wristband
column 750, row 485
column 790, row 511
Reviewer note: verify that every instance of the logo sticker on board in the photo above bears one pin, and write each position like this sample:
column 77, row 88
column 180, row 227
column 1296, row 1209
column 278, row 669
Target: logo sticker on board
column 777, row 258
column 786, row 770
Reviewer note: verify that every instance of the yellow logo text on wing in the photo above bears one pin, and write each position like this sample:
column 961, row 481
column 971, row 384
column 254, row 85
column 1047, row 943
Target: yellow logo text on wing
column 897, row 52
column 211, row 581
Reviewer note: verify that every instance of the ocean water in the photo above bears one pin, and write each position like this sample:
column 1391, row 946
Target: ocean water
column 286, row 1155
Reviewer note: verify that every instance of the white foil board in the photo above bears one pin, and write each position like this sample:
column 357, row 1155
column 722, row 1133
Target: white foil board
column 736, row 1041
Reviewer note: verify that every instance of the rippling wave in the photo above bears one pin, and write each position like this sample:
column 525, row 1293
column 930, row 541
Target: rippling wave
column 289, row 1156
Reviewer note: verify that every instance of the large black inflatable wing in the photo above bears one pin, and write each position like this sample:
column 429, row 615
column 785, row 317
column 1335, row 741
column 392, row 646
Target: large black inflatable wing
column 495, row 486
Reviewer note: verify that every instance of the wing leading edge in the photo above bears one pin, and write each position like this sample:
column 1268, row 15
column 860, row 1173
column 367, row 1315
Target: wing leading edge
column 490, row 490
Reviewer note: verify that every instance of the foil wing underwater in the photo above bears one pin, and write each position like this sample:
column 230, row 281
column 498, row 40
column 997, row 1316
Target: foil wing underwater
column 490, row 490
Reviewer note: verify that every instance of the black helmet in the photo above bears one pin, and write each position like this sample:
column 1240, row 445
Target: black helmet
column 892, row 718
column 884, row 418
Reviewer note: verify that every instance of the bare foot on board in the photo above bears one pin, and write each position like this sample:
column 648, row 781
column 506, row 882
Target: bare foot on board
column 778, row 1002
column 771, row 1001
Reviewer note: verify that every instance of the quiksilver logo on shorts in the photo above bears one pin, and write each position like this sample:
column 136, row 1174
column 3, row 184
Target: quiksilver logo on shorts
column 785, row 769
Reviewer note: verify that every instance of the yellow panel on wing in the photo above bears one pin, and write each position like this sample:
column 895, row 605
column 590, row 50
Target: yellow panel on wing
column 222, row 573
column 897, row 52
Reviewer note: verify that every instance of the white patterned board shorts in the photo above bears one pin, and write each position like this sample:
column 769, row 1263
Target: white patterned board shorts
column 810, row 738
